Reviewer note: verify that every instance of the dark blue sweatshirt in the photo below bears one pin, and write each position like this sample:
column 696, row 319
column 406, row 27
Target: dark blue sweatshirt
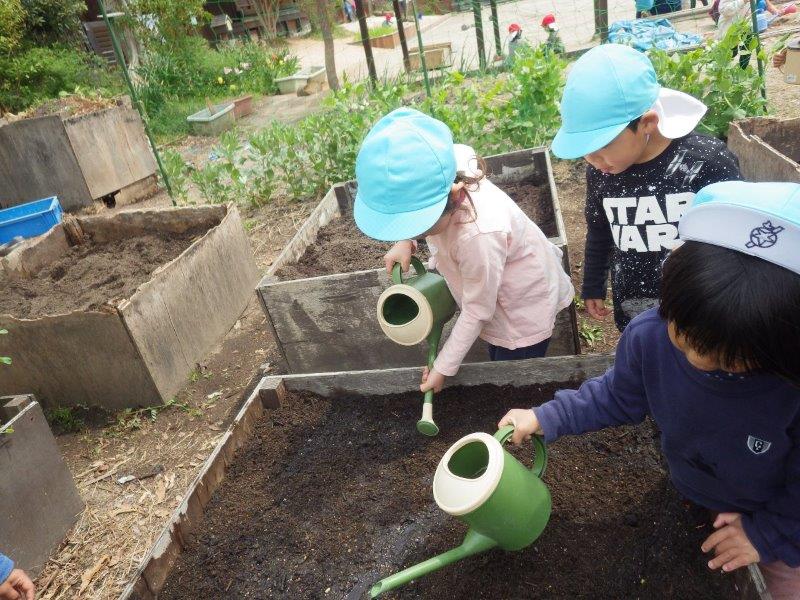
column 732, row 442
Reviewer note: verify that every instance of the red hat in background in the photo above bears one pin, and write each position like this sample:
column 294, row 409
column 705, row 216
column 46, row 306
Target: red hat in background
column 549, row 21
column 514, row 28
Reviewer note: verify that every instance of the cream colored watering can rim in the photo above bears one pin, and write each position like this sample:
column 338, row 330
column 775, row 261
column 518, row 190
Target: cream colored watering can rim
column 473, row 492
column 418, row 328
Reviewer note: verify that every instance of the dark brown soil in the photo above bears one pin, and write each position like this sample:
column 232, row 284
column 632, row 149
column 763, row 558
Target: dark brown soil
column 328, row 496
column 341, row 248
column 91, row 275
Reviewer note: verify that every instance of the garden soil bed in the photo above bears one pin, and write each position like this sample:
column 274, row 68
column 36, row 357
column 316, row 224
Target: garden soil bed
column 90, row 275
column 341, row 248
column 328, row 496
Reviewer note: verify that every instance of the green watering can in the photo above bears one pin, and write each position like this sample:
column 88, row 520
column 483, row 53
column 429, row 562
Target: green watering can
column 504, row 503
column 414, row 310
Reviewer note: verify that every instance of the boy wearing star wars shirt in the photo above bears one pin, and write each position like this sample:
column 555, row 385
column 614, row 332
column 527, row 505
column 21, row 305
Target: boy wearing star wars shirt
column 645, row 166
column 717, row 368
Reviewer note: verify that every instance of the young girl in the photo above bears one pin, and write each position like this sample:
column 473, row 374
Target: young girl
column 717, row 367
column 505, row 276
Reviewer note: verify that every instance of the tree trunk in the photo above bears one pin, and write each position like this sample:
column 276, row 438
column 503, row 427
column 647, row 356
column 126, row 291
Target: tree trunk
column 267, row 11
column 327, row 38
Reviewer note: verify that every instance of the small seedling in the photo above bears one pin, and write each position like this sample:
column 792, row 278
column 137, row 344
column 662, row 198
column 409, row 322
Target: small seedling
column 579, row 303
column 6, row 360
column 7, row 431
column 197, row 373
column 591, row 334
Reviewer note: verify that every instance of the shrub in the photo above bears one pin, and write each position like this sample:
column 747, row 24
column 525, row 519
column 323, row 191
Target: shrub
column 36, row 74
column 712, row 75
column 53, row 21
column 11, row 21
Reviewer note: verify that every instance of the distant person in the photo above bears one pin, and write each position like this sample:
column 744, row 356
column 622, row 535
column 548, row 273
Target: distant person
column 403, row 10
column 663, row 7
column 16, row 585
column 553, row 43
column 515, row 41
column 349, row 10
column 644, row 8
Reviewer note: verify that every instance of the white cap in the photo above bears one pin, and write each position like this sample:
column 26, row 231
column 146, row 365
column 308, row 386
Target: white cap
column 678, row 113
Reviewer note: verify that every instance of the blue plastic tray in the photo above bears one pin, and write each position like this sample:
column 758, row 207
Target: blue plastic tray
column 29, row 219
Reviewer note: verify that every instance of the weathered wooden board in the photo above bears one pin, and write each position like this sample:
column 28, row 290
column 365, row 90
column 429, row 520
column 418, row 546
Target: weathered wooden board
column 191, row 303
column 37, row 161
column 77, row 358
column 39, row 498
column 768, row 149
column 111, row 149
column 328, row 323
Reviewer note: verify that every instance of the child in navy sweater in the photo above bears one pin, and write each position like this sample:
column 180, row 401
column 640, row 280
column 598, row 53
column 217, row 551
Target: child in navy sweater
column 14, row 583
column 717, row 367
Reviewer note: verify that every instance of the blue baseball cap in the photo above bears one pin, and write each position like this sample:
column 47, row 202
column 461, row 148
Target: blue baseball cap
column 760, row 219
column 405, row 170
column 607, row 88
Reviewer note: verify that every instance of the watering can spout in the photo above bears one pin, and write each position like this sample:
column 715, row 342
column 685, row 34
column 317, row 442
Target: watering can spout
column 474, row 543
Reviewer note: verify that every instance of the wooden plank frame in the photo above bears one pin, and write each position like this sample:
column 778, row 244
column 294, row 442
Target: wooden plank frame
column 328, row 323
column 768, row 149
column 187, row 519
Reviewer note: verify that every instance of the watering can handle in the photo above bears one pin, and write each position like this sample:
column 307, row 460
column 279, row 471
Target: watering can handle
column 397, row 274
column 540, row 454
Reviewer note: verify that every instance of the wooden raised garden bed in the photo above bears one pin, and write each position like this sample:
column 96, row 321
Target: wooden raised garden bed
column 437, row 56
column 119, row 320
column 768, row 149
column 320, row 299
column 390, row 41
column 327, row 488
column 80, row 159
column 39, row 498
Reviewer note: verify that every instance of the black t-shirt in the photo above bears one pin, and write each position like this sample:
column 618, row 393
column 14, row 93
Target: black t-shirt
column 632, row 219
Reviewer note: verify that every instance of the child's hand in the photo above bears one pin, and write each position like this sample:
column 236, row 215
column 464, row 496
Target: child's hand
column 779, row 59
column 525, row 424
column 730, row 543
column 400, row 253
column 431, row 380
column 18, row 586
column 597, row 309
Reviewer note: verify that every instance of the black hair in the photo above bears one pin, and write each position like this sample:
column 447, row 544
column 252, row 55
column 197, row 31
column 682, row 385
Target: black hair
column 634, row 125
column 739, row 307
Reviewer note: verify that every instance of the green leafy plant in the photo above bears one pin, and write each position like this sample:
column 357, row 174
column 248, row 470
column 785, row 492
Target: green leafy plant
column 12, row 18
column 53, row 21
column 711, row 75
column 66, row 419
column 377, row 31
column 591, row 334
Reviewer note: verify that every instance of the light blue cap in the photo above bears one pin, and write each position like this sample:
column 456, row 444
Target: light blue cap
column 607, row 88
column 405, row 169
column 760, row 219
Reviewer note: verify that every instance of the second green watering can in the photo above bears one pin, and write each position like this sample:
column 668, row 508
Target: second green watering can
column 479, row 482
column 413, row 310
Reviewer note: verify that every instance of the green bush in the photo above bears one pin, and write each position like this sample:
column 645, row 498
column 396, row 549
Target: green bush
column 53, row 21
column 37, row 74
column 302, row 160
column 11, row 21
column 711, row 74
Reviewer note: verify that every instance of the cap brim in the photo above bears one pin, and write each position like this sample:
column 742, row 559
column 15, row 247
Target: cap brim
column 575, row 145
column 678, row 113
column 392, row 227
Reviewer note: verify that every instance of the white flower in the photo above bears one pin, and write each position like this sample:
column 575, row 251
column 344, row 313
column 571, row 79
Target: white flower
column 227, row 70
column 245, row 66
column 238, row 71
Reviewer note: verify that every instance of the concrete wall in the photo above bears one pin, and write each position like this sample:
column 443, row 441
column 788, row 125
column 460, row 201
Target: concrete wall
column 38, row 497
